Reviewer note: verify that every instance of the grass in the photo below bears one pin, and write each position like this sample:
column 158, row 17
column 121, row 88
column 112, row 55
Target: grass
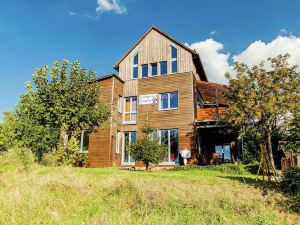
column 66, row 195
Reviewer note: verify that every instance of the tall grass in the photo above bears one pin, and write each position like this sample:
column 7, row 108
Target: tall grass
column 66, row 195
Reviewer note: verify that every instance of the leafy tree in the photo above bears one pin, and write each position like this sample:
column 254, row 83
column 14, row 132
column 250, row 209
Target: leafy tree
column 262, row 99
column 65, row 97
column 147, row 149
column 8, row 131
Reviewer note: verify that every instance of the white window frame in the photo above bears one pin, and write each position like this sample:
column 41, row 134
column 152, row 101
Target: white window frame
column 118, row 141
column 135, row 65
column 169, row 145
column 173, row 59
column 160, row 68
column 81, row 141
column 142, row 70
column 169, row 101
column 156, row 69
column 120, row 104
column 123, row 149
column 130, row 112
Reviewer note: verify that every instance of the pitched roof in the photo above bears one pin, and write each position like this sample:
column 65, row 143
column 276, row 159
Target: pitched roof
column 211, row 91
column 196, row 57
column 109, row 76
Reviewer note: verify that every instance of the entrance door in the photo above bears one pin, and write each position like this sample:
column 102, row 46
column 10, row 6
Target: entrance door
column 170, row 139
column 128, row 138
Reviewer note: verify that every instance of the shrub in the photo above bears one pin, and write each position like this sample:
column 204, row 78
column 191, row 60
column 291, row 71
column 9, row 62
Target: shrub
column 148, row 151
column 25, row 156
column 291, row 182
column 66, row 155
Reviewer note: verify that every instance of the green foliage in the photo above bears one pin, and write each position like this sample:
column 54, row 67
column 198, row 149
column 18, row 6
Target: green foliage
column 148, row 151
column 68, row 99
column 8, row 131
column 25, row 156
column 293, row 135
column 291, row 182
column 66, row 155
column 261, row 100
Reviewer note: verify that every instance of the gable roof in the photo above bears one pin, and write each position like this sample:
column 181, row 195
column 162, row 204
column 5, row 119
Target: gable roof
column 196, row 57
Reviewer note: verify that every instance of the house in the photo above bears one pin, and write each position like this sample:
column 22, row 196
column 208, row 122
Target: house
column 162, row 81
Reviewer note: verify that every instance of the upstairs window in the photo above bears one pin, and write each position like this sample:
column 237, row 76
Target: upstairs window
column 154, row 69
column 130, row 111
column 173, row 59
column 145, row 70
column 163, row 68
column 135, row 68
column 169, row 100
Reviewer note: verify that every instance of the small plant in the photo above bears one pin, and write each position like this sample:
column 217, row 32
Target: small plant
column 25, row 156
column 291, row 182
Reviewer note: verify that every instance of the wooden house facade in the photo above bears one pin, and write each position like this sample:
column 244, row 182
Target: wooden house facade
column 160, row 80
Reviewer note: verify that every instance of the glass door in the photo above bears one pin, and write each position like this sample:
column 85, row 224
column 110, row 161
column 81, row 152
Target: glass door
column 128, row 138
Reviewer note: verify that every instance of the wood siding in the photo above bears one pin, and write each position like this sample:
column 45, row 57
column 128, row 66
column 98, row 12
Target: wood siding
column 155, row 48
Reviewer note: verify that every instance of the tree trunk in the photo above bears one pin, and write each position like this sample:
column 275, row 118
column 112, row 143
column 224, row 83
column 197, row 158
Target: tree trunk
column 269, row 137
column 63, row 133
column 147, row 166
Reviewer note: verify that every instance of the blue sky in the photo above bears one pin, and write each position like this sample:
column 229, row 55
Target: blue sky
column 98, row 32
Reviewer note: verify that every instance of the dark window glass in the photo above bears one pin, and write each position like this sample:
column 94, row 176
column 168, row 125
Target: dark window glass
column 164, row 139
column 173, row 52
column 154, row 69
column 135, row 72
column 163, row 68
column 145, row 70
column 136, row 59
column 173, row 145
column 174, row 100
column 164, row 101
column 174, row 66
column 85, row 140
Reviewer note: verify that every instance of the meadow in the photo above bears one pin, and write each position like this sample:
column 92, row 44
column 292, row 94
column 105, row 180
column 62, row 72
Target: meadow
column 68, row 195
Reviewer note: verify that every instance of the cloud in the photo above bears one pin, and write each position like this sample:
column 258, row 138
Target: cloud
column 283, row 31
column 71, row 13
column 259, row 51
column 213, row 32
column 110, row 5
column 215, row 62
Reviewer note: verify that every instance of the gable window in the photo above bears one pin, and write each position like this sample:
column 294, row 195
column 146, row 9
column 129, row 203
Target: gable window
column 154, row 69
column 130, row 109
column 163, row 68
column 173, row 59
column 169, row 138
column 129, row 137
column 120, row 104
column 169, row 100
column 84, row 140
column 118, row 141
column 135, row 68
column 145, row 70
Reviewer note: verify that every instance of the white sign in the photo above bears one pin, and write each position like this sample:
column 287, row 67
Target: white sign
column 148, row 99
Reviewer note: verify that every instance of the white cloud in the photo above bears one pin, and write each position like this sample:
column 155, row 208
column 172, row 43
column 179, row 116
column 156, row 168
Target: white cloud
column 283, row 31
column 215, row 62
column 259, row 51
column 71, row 13
column 213, row 32
column 110, row 5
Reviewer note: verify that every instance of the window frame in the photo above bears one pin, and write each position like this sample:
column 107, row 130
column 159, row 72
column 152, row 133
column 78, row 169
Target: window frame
column 160, row 63
column 123, row 147
column 142, row 66
column 135, row 65
column 169, row 162
column 118, row 141
column 169, row 101
column 81, row 140
column 151, row 66
column 130, row 110
column 120, row 104
column 173, row 59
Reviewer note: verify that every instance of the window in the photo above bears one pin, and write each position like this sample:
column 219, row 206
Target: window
column 129, row 137
column 223, row 152
column 163, row 68
column 120, row 104
column 135, row 69
column 118, row 141
column 173, row 59
column 145, row 70
column 154, row 69
column 130, row 111
column 169, row 138
column 84, row 140
column 169, row 100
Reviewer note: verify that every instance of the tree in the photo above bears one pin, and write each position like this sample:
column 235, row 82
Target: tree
column 262, row 99
column 8, row 131
column 68, row 99
column 147, row 149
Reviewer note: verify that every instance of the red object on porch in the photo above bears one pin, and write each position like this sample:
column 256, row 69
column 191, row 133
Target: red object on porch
column 172, row 156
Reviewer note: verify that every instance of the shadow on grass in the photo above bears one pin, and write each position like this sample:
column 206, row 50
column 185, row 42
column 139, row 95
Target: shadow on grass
column 290, row 203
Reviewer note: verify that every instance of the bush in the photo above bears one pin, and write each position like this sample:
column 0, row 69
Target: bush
column 291, row 182
column 66, row 155
column 148, row 151
column 25, row 157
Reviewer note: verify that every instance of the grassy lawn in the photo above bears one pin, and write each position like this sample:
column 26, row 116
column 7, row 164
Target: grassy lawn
column 65, row 195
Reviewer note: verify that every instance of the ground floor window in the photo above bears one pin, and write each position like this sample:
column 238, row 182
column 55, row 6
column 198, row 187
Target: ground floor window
column 170, row 139
column 223, row 152
column 84, row 140
column 128, row 138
